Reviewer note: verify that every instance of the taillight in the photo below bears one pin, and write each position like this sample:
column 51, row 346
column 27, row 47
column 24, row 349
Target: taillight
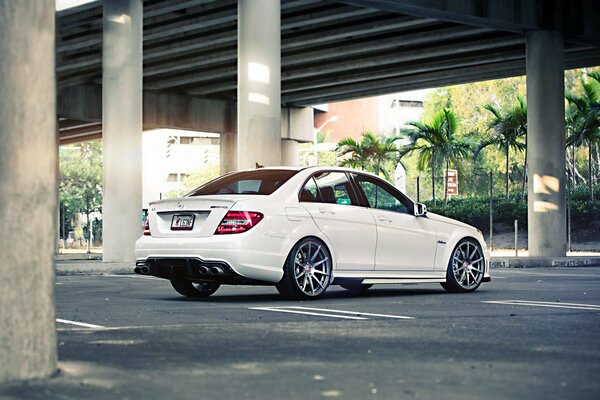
column 238, row 222
column 147, row 227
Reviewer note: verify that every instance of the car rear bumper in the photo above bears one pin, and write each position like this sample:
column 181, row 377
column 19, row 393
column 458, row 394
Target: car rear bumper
column 251, row 255
column 194, row 269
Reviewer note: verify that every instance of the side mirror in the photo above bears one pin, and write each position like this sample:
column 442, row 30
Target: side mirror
column 420, row 209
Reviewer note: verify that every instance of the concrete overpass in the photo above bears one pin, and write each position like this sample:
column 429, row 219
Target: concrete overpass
column 248, row 70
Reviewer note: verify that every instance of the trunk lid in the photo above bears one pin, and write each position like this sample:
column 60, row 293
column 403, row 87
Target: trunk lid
column 197, row 216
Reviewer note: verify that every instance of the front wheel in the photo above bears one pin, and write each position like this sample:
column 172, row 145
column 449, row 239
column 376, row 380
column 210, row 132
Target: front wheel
column 465, row 268
column 307, row 271
column 191, row 289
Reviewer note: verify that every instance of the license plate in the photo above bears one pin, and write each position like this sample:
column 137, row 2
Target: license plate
column 182, row 222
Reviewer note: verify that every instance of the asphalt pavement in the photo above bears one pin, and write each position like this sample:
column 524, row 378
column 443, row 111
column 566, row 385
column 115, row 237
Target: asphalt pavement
column 530, row 334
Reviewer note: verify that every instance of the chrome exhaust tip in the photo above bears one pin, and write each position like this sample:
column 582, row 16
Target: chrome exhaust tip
column 203, row 270
column 137, row 270
column 216, row 271
column 145, row 270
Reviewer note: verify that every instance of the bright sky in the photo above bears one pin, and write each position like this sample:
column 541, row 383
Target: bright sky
column 64, row 4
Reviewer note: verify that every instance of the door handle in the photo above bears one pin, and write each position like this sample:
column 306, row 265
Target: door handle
column 384, row 219
column 326, row 211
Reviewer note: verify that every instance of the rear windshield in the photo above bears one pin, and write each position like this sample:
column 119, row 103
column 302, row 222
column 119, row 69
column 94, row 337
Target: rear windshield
column 262, row 182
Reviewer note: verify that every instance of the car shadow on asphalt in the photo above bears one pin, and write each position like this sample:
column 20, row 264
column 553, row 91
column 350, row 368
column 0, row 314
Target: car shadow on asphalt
column 329, row 295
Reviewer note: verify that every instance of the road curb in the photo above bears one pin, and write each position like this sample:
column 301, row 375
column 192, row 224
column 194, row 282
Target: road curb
column 74, row 267
column 544, row 262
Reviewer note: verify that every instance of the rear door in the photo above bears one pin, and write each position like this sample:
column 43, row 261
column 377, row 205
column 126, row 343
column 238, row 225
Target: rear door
column 330, row 199
column 404, row 242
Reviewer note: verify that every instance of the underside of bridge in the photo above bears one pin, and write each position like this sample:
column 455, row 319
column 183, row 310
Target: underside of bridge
column 330, row 51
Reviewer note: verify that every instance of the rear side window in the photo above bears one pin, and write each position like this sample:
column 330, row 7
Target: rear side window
column 329, row 187
column 260, row 182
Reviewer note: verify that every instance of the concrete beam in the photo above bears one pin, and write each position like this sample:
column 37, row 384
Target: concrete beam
column 578, row 21
column 160, row 110
column 382, row 83
column 186, row 112
column 297, row 123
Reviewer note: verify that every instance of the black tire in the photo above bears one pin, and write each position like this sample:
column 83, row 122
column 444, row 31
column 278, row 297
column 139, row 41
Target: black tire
column 356, row 287
column 303, row 264
column 466, row 257
column 197, row 290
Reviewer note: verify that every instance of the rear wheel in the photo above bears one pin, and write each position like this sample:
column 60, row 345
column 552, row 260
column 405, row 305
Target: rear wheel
column 307, row 271
column 465, row 268
column 191, row 289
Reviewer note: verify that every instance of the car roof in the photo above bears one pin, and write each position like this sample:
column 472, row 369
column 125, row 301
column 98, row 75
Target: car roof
column 310, row 169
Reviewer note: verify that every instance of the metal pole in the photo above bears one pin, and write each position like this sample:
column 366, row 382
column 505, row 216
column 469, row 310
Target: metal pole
column 569, row 201
column 491, row 209
column 418, row 190
column 516, row 238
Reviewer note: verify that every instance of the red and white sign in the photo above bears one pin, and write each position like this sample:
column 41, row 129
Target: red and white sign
column 452, row 181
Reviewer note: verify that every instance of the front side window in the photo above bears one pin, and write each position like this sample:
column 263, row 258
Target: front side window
column 380, row 196
column 262, row 182
column 329, row 187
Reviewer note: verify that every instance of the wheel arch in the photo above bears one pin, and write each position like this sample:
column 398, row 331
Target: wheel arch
column 452, row 242
column 321, row 238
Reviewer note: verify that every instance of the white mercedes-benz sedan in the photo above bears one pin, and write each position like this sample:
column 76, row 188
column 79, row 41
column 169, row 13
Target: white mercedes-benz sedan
column 302, row 230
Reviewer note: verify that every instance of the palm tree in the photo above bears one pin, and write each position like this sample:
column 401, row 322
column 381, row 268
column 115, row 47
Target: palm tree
column 506, row 130
column 583, row 120
column 382, row 149
column 437, row 143
column 357, row 153
column 371, row 153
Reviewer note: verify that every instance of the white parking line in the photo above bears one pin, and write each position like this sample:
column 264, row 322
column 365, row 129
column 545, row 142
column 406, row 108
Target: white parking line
column 83, row 324
column 531, row 303
column 353, row 312
column 327, row 312
column 276, row 309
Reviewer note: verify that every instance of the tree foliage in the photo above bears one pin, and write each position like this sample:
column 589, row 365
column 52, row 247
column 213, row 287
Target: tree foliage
column 438, row 143
column 507, row 130
column 80, row 184
column 373, row 153
column 583, row 119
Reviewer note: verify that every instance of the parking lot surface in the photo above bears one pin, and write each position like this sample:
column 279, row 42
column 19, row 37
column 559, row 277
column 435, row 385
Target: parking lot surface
column 528, row 334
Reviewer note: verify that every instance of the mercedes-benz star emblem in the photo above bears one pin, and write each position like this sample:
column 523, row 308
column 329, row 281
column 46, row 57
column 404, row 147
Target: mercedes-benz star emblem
column 179, row 205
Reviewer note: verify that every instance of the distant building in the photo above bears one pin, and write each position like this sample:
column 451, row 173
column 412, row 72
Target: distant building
column 382, row 115
column 169, row 156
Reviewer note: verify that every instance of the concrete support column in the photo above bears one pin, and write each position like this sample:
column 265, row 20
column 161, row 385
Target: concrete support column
column 228, row 152
column 28, row 189
column 297, row 126
column 259, row 83
column 290, row 153
column 122, row 122
column 546, row 144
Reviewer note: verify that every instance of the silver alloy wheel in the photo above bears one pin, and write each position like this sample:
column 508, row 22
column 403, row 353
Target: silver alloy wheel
column 468, row 265
column 312, row 268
